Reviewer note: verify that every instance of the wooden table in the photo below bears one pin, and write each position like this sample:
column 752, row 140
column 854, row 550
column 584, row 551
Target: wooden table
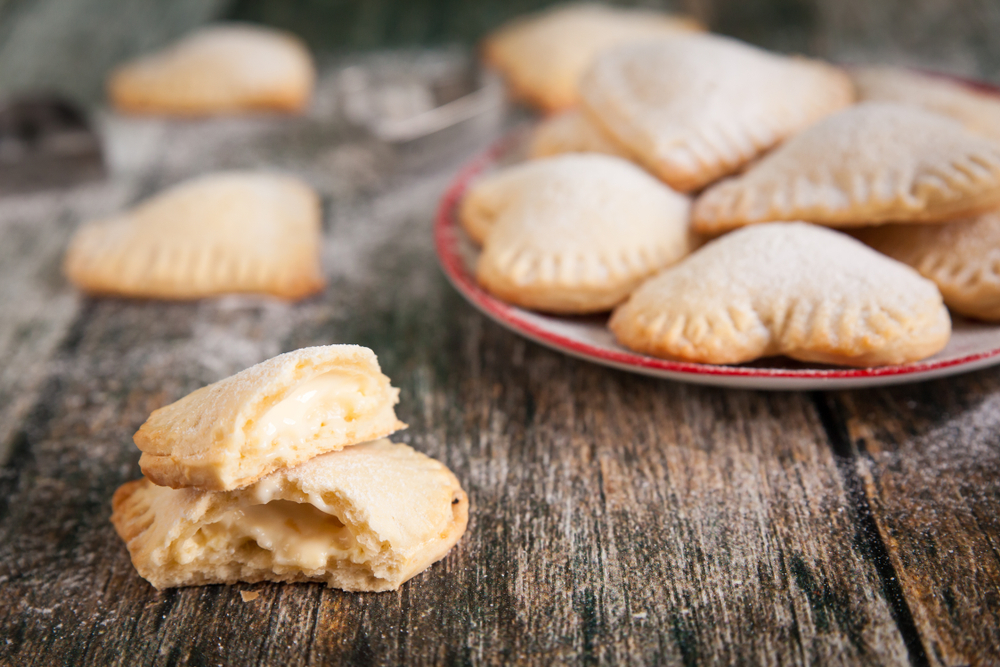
column 615, row 519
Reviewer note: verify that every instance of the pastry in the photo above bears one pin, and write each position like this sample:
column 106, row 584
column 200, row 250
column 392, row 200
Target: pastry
column 695, row 108
column 791, row 289
column 962, row 258
column 277, row 414
column 573, row 132
column 873, row 163
column 580, row 234
column 363, row 519
column 543, row 55
column 229, row 232
column 979, row 112
column 218, row 70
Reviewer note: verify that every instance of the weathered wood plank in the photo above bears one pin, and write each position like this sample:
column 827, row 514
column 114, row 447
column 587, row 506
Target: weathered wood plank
column 929, row 458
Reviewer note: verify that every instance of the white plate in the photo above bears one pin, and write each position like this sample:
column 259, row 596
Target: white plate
column 973, row 345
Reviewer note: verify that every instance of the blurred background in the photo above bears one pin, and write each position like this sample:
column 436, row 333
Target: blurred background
column 67, row 46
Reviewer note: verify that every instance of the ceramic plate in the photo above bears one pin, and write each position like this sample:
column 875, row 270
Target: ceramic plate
column 973, row 344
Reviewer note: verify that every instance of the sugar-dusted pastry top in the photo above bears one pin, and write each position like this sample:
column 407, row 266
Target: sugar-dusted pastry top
column 580, row 233
column 979, row 112
column 363, row 519
column 276, row 414
column 543, row 55
column 872, row 163
column 791, row 289
column 215, row 234
column 220, row 69
column 961, row 257
column 694, row 108
column 573, row 132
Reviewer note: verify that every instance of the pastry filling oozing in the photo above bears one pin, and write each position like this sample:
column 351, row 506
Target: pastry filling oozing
column 280, row 535
column 327, row 400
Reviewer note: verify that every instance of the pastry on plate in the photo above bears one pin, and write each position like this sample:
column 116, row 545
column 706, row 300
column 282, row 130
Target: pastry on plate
column 790, row 289
column 543, row 55
column 580, row 233
column 363, row 519
column 962, row 258
column 977, row 111
column 695, row 108
column 873, row 163
column 216, row 234
column 573, row 132
column 221, row 69
column 277, row 414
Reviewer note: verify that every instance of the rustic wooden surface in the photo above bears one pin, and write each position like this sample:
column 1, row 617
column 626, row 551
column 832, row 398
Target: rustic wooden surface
column 615, row 519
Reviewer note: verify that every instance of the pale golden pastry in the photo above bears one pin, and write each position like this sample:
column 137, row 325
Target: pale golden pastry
column 962, row 258
column 695, row 108
column 363, row 519
column 582, row 233
column 789, row 289
column 222, row 233
column 277, row 414
column 870, row 164
column 220, row 69
column 573, row 132
column 978, row 111
column 487, row 196
column 543, row 55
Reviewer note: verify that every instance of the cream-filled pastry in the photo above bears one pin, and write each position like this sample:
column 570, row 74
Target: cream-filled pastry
column 276, row 414
column 366, row 518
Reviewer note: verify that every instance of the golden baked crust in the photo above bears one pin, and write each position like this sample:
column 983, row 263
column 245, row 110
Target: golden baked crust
column 873, row 163
column 962, row 258
column 542, row 56
column 694, row 108
column 367, row 518
column 235, row 431
column 220, row 69
column 581, row 233
column 789, row 289
column 978, row 112
column 573, row 132
column 222, row 233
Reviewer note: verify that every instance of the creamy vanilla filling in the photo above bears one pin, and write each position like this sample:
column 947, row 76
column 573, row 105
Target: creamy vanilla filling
column 328, row 398
column 294, row 535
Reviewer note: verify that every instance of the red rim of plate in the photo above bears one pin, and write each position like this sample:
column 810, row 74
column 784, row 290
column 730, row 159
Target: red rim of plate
column 446, row 242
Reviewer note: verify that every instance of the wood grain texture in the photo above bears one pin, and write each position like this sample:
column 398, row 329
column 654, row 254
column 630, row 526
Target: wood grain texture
column 929, row 459
column 614, row 519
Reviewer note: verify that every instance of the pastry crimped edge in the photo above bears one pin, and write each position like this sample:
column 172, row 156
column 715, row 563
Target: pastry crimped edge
column 152, row 519
column 129, row 94
column 709, row 152
column 961, row 257
column 965, row 184
column 123, row 256
column 200, row 440
column 825, row 332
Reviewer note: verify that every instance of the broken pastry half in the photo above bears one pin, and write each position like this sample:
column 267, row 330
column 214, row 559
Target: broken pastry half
column 277, row 414
column 962, row 258
column 978, row 111
column 870, row 164
column 216, row 234
column 580, row 234
column 694, row 108
column 542, row 56
column 790, row 289
column 220, row 69
column 573, row 132
column 363, row 519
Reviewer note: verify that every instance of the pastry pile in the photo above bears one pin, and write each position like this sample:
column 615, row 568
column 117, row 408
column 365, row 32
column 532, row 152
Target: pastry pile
column 697, row 186
column 283, row 472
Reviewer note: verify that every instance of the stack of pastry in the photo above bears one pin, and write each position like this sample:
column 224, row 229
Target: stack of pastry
column 696, row 187
column 283, row 473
